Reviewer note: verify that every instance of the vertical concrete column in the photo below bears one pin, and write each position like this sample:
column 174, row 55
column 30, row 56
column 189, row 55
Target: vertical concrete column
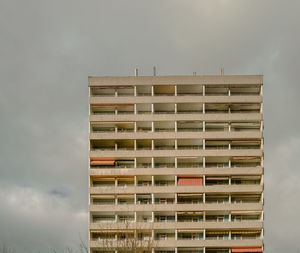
column 203, row 109
column 229, row 163
column 175, row 180
column 229, row 91
column 229, row 216
column 152, row 198
column 135, row 199
column 116, row 93
column 203, row 90
column 203, row 144
column 176, row 215
column 116, row 218
column 175, row 90
column 204, row 216
column 203, row 126
column 152, row 90
column 152, row 108
column 204, row 197
column 152, row 126
column 135, row 163
column 116, row 199
column 135, row 127
column 229, row 127
column 229, row 199
column 116, row 182
column 204, row 165
column 176, row 234
column 134, row 143
column 204, row 249
column 152, row 144
column 175, row 143
column 153, row 181
column 176, row 162
column 176, row 248
column 204, row 183
column 175, row 108
column 229, row 181
column 175, row 126
column 134, row 90
column 135, row 110
column 229, row 237
column 152, row 216
column 175, row 198
column 152, row 162
column 135, row 217
column 204, row 234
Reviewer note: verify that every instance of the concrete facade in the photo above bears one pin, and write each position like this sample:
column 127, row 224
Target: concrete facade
column 177, row 161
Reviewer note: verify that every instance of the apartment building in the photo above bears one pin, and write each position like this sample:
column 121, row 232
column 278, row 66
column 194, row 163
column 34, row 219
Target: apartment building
column 176, row 164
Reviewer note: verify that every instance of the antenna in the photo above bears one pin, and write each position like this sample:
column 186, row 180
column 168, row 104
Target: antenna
column 136, row 72
column 154, row 71
column 222, row 71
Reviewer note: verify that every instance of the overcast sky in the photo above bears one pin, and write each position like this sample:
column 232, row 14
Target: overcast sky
column 49, row 48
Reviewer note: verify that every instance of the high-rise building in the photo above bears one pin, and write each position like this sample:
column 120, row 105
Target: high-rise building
column 176, row 164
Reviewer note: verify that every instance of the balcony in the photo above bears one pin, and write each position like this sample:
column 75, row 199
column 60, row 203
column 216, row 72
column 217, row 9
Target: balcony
column 190, row 235
column 216, row 218
column 164, row 218
column 189, row 217
column 219, row 198
column 144, row 199
column 165, row 236
column 189, row 198
column 217, row 235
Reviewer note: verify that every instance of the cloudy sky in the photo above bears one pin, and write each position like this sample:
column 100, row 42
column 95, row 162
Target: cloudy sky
column 49, row 48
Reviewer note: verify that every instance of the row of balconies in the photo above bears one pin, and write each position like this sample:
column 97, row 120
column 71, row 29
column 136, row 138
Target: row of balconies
column 148, row 172
column 175, row 126
column 172, row 108
column 174, row 90
column 172, row 217
column 212, row 206
column 228, row 161
column 192, row 250
column 177, row 235
column 120, row 165
column 146, row 181
column 173, row 144
column 179, row 198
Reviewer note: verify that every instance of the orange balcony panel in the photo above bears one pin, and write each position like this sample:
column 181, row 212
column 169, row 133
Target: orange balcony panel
column 102, row 161
column 246, row 249
column 190, row 181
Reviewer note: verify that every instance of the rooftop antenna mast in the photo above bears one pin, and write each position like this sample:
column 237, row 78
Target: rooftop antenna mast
column 136, row 72
column 154, row 71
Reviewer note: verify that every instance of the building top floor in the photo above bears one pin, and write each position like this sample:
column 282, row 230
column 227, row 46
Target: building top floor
column 232, row 80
